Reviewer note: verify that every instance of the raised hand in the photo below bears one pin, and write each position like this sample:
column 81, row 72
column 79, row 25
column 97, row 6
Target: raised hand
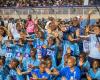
column 31, row 66
column 88, row 77
column 87, row 29
column 44, row 46
column 21, row 58
column 18, row 71
column 55, row 34
column 48, row 71
column 90, row 12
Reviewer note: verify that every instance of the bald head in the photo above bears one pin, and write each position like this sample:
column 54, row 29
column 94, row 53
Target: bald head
column 71, row 61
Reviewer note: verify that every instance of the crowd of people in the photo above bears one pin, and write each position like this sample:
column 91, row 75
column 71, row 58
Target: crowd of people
column 38, row 3
column 49, row 49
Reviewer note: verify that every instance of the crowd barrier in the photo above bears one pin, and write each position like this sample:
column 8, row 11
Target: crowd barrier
column 57, row 12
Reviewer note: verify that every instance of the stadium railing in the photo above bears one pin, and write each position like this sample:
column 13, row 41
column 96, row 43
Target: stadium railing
column 55, row 11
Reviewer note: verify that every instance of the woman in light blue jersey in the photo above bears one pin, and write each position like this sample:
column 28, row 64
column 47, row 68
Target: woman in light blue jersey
column 51, row 50
column 83, row 64
column 94, row 72
column 40, row 44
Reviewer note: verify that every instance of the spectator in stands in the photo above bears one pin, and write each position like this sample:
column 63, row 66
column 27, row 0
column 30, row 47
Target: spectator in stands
column 52, row 50
column 94, row 72
column 30, row 25
column 64, row 61
column 32, row 61
column 71, row 71
column 94, row 46
column 36, row 3
column 10, row 70
column 31, row 48
column 20, row 26
column 3, row 34
column 95, row 38
column 1, row 21
column 2, row 64
column 40, row 73
column 83, row 64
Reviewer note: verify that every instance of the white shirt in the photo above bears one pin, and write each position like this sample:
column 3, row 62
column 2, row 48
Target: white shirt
column 13, row 30
column 93, row 46
column 47, row 24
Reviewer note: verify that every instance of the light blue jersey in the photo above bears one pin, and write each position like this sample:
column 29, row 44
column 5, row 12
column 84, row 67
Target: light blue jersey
column 52, row 52
column 14, row 76
column 27, row 62
column 94, row 75
column 2, row 75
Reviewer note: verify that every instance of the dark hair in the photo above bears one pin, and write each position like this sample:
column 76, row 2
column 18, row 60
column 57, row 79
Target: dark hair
column 97, row 25
column 40, row 32
column 5, row 32
column 2, row 58
column 46, row 57
column 30, row 16
column 51, row 18
column 95, row 61
column 53, row 39
column 34, row 49
column 98, row 21
column 43, row 62
column 83, row 55
column 67, row 55
column 15, row 60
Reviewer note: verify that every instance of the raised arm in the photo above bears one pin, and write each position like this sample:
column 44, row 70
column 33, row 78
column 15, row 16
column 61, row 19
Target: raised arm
column 88, row 17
